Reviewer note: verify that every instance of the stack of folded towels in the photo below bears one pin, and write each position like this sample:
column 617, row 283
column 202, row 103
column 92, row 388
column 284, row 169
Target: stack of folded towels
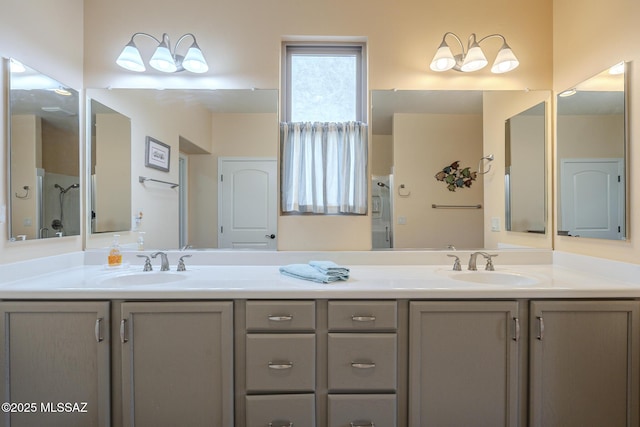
column 316, row 271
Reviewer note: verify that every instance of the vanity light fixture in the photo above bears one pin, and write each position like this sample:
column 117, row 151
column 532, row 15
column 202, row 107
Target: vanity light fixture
column 617, row 69
column 568, row 92
column 164, row 59
column 16, row 66
column 473, row 58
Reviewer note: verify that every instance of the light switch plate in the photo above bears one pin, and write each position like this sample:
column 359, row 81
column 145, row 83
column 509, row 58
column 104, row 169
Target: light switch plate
column 402, row 220
column 495, row 223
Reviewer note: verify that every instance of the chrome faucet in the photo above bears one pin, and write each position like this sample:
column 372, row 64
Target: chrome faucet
column 472, row 261
column 147, row 263
column 164, row 265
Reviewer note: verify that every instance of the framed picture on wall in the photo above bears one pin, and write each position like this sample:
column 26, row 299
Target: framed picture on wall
column 157, row 154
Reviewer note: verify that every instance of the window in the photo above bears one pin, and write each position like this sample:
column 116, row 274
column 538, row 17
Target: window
column 324, row 137
column 324, row 83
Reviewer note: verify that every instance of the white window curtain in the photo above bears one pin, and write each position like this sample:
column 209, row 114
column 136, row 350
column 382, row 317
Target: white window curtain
column 324, row 167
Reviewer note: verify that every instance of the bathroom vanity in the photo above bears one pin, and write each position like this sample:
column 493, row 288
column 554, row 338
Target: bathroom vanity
column 395, row 345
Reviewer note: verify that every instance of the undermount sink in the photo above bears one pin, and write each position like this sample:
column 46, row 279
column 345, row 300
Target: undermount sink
column 492, row 277
column 144, row 279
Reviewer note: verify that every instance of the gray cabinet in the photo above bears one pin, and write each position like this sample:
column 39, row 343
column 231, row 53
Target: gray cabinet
column 584, row 363
column 177, row 364
column 55, row 353
column 463, row 363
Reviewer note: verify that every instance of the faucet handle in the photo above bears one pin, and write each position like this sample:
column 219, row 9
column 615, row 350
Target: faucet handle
column 456, row 262
column 147, row 263
column 489, row 258
column 181, row 266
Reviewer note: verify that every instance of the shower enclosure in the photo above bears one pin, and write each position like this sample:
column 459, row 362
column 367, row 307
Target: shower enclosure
column 381, row 208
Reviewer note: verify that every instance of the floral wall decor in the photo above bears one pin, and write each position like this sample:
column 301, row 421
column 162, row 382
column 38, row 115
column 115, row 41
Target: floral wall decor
column 455, row 177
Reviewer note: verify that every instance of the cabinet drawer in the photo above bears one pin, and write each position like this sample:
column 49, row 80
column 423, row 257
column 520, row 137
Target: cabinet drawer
column 281, row 315
column 362, row 362
column 281, row 362
column 363, row 315
column 281, row 410
column 362, row 410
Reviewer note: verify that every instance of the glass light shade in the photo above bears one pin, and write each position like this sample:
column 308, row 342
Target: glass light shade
column 617, row 69
column 130, row 58
column 443, row 60
column 505, row 61
column 162, row 60
column 194, row 60
column 474, row 60
column 16, row 66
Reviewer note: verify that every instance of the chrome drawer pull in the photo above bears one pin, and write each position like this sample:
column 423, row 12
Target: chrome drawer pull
column 281, row 365
column 363, row 365
column 362, row 424
column 123, row 329
column 281, row 424
column 280, row 318
column 369, row 318
column 98, row 330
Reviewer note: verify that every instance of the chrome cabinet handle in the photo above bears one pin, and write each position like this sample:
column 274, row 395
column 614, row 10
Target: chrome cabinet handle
column 98, row 330
column 362, row 424
column 280, row 365
column 516, row 336
column 280, row 318
column 363, row 365
column 281, row 424
column 358, row 318
column 540, row 328
column 123, row 327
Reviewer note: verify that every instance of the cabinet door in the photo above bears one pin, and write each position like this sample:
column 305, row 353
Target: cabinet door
column 177, row 366
column 584, row 363
column 55, row 352
column 463, row 364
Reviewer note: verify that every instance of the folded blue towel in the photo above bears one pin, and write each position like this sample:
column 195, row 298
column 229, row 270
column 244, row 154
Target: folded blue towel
column 330, row 268
column 307, row 272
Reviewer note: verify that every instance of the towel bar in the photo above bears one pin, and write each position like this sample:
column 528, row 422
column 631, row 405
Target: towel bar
column 142, row 179
column 478, row 206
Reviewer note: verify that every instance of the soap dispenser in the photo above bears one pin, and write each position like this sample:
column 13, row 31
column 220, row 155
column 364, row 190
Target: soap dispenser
column 115, row 255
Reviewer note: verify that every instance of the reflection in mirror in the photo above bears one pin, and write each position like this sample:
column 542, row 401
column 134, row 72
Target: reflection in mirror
column 110, row 186
column 416, row 134
column 44, row 156
column 200, row 126
column 591, row 150
column 525, row 171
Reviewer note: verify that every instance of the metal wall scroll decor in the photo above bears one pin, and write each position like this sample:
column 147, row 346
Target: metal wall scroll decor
column 455, row 177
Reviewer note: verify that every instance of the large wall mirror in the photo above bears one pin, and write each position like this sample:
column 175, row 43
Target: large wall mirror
column 591, row 153
column 524, row 177
column 199, row 127
column 110, row 186
column 44, row 168
column 421, row 136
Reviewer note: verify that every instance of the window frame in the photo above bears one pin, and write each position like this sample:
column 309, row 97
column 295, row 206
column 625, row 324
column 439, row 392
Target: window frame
column 330, row 49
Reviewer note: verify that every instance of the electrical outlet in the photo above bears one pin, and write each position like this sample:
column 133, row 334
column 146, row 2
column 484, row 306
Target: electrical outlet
column 402, row 220
column 495, row 223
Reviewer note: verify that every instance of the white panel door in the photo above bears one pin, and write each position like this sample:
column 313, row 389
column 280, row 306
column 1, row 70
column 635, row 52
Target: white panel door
column 591, row 201
column 247, row 203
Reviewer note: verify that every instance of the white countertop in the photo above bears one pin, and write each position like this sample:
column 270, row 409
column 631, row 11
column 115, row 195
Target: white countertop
column 374, row 281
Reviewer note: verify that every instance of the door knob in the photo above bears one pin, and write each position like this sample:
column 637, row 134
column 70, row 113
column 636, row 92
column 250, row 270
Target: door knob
column 270, row 236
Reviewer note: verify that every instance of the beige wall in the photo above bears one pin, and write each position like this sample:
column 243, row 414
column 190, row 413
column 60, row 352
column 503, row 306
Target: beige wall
column 423, row 145
column 559, row 43
column 381, row 154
